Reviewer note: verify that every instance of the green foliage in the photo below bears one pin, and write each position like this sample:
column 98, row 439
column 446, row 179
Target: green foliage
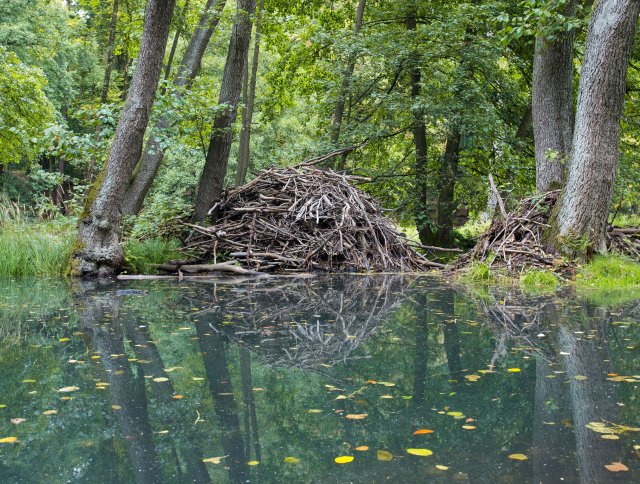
column 609, row 272
column 24, row 108
column 478, row 272
column 539, row 280
column 140, row 255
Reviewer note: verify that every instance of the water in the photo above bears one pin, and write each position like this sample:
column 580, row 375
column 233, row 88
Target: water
column 271, row 381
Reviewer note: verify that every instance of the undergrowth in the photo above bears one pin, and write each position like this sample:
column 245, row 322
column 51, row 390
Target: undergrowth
column 141, row 255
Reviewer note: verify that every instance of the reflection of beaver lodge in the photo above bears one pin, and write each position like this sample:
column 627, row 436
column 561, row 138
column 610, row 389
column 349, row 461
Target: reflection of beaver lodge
column 302, row 219
column 308, row 322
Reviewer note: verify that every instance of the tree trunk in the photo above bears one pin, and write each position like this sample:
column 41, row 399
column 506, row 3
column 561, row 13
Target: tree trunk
column 174, row 44
column 149, row 164
column 108, row 67
column 420, row 141
column 215, row 167
column 338, row 112
column 580, row 221
column 552, row 106
column 97, row 251
column 446, row 190
column 247, row 112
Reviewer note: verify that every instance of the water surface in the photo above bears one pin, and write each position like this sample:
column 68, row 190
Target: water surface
column 272, row 380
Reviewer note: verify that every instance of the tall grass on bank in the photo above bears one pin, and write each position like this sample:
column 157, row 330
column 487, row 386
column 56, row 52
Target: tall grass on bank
column 29, row 248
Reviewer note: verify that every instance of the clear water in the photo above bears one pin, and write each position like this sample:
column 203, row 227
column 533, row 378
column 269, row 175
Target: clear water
column 272, row 380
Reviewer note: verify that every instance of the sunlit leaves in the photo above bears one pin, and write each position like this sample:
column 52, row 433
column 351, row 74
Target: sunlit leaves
column 291, row 460
column 68, row 389
column 384, row 456
column 8, row 440
column 214, row 460
column 518, row 457
column 423, row 432
column 344, row 459
column 420, row 452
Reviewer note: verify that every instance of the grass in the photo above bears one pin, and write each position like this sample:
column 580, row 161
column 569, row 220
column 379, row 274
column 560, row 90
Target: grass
column 539, row 281
column 140, row 255
column 609, row 272
column 479, row 273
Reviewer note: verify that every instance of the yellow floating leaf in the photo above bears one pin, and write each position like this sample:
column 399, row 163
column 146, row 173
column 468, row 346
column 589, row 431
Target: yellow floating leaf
column 441, row 468
column 314, row 410
column 610, row 437
column 3, row 406
column 362, row 448
column 356, row 416
column 423, row 432
column 173, row 368
column 177, row 397
column 384, row 455
column 291, row 460
column 197, row 378
column 49, row 412
column 62, row 340
column 16, row 421
column 253, row 462
column 166, row 432
column 514, row 370
column 616, row 467
column 8, row 440
column 340, row 397
column 472, row 377
column 386, row 396
column 456, row 415
column 469, row 427
column 66, row 398
column 386, row 383
column 214, row 460
column 518, row 457
column 420, row 452
column 116, row 407
column 68, row 389
column 580, row 377
column 344, row 459
column 258, row 389
column 160, row 379
column 29, row 381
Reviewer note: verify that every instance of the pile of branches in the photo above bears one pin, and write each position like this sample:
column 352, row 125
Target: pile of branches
column 303, row 219
column 514, row 240
column 625, row 241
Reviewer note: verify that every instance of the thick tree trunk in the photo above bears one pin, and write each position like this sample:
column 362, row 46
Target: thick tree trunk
column 215, row 167
column 108, row 64
column 149, row 164
column 580, row 221
column 338, row 112
column 420, row 141
column 98, row 251
column 552, row 106
column 249, row 102
column 446, row 190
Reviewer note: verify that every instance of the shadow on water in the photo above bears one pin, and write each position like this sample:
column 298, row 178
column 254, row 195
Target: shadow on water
column 271, row 380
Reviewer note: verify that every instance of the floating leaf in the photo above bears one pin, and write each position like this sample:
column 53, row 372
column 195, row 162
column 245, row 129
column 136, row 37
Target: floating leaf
column 62, row 340
column 314, row 410
column 16, row 421
column 469, row 427
column 423, row 432
column 362, row 448
column 514, row 370
column 8, row 440
column 197, row 378
column 68, row 389
column 580, row 377
column 386, row 396
column 214, row 460
column 49, row 412
column 441, row 467
column 616, row 467
column 160, row 379
column 420, row 452
column 116, row 407
column 518, row 457
column 253, row 462
column 177, row 397
column 356, row 416
column 610, row 437
column 386, row 383
column 456, row 415
column 291, row 460
column 384, row 455
column 173, row 368
column 472, row 377
column 29, row 381
column 344, row 459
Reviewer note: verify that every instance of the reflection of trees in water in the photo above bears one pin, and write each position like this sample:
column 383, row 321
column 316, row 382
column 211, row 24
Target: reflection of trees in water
column 304, row 322
column 572, row 362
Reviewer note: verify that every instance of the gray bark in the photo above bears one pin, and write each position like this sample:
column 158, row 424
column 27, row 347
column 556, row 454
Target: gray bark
column 109, row 54
column 215, row 167
column 552, row 106
column 98, row 251
column 338, row 112
column 151, row 160
column 250, row 98
column 583, row 207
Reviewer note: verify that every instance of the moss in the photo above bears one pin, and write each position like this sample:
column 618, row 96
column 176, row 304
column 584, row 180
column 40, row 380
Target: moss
column 93, row 193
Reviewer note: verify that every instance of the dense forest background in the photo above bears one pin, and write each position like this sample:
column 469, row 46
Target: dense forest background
column 427, row 98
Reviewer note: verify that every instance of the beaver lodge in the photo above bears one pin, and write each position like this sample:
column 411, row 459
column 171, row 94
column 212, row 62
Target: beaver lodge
column 301, row 219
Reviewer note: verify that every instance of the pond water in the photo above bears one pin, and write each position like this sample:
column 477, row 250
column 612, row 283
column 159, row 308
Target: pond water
column 404, row 379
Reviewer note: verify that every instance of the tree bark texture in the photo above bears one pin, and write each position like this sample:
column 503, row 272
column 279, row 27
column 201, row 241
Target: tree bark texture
column 338, row 112
column 148, row 166
column 580, row 221
column 247, row 111
column 108, row 67
column 552, row 106
column 215, row 167
column 446, row 190
column 420, row 142
column 97, row 251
